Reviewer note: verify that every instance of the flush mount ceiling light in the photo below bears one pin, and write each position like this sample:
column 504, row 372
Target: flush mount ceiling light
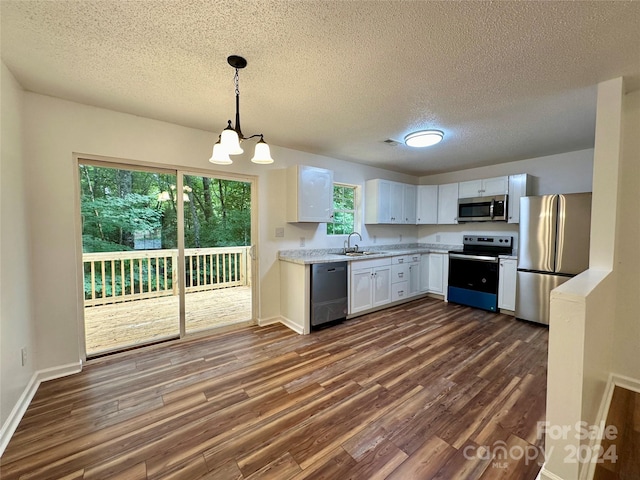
column 229, row 140
column 423, row 138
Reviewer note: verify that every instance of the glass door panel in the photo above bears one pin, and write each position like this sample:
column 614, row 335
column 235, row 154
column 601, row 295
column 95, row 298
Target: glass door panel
column 130, row 257
column 217, row 240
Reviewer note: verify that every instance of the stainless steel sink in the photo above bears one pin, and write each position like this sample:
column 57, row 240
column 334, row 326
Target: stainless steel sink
column 360, row 254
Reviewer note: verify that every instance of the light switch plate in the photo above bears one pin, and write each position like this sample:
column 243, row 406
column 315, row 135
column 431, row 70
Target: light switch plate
column 279, row 232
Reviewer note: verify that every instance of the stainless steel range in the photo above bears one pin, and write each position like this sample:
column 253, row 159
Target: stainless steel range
column 474, row 272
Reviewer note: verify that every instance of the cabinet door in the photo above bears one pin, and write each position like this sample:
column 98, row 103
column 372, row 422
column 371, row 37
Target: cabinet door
column 414, row 279
column 518, row 188
column 495, row 186
column 377, row 208
column 409, row 204
column 507, row 284
column 360, row 290
column 381, row 285
column 470, row 189
column 396, row 202
column 424, row 272
column 314, row 194
column 427, row 208
column 448, row 203
column 436, row 271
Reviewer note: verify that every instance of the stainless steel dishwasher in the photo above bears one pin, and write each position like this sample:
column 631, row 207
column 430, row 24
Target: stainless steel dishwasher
column 328, row 292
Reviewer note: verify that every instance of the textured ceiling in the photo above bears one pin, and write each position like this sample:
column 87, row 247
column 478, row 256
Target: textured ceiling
column 504, row 80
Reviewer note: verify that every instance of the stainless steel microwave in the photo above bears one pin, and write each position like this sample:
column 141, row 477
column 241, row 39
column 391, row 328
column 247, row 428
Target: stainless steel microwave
column 483, row 209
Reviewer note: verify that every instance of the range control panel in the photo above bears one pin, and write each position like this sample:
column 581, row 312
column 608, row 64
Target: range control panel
column 488, row 241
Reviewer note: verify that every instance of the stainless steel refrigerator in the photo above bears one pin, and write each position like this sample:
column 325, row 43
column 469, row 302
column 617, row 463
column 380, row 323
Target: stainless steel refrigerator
column 553, row 246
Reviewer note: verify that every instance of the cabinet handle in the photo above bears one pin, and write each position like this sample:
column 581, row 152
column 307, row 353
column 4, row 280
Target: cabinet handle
column 401, row 274
column 401, row 260
column 400, row 293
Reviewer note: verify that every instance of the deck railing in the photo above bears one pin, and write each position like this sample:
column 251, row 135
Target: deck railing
column 112, row 277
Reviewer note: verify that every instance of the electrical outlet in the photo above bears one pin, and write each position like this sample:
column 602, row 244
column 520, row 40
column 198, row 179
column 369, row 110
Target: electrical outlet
column 400, row 237
column 303, row 241
column 375, row 239
column 24, row 356
column 279, row 232
column 437, row 238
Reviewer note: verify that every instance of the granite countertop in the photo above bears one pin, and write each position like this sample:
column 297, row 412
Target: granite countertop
column 310, row 256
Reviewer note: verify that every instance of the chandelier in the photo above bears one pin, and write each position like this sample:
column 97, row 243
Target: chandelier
column 229, row 140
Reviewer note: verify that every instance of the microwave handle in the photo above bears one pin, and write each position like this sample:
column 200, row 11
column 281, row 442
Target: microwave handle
column 492, row 207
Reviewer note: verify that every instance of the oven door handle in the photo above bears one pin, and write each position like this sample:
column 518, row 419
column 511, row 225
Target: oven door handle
column 478, row 258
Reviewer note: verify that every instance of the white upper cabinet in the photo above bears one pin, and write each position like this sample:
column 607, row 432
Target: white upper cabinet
column 484, row 187
column 448, row 203
column 389, row 202
column 427, row 208
column 309, row 194
column 409, row 204
column 519, row 186
column 396, row 202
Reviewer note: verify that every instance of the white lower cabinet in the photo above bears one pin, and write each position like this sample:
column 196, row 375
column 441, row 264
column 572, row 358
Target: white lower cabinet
column 507, row 284
column 369, row 284
column 405, row 276
column 414, row 275
column 424, row 272
column 434, row 273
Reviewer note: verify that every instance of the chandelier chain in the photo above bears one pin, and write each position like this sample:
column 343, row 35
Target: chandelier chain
column 236, row 79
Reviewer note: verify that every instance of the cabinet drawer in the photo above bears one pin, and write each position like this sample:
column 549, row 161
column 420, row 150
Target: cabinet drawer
column 399, row 259
column 399, row 272
column 399, row 291
column 413, row 258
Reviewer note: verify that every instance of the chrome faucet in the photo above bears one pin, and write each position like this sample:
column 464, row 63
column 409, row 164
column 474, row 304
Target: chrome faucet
column 347, row 243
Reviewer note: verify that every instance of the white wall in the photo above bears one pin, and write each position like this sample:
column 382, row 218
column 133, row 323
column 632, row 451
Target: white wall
column 569, row 172
column 627, row 258
column 56, row 128
column 562, row 173
column 595, row 328
column 16, row 326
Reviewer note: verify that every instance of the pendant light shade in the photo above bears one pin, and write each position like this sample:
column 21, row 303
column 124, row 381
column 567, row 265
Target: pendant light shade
column 220, row 156
column 229, row 140
column 262, row 154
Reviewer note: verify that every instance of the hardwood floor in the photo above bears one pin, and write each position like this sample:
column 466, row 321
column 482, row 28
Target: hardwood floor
column 620, row 454
column 427, row 390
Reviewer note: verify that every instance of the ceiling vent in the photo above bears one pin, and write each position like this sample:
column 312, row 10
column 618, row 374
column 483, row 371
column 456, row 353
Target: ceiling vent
column 391, row 143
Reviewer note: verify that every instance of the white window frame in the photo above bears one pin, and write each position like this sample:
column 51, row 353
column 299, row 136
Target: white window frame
column 357, row 216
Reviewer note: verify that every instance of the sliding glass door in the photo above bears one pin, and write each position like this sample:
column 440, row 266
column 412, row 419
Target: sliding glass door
column 217, row 240
column 164, row 254
column 130, row 257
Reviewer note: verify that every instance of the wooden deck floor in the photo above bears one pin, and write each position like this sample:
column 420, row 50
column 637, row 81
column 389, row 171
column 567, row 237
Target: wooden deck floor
column 123, row 325
column 426, row 390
